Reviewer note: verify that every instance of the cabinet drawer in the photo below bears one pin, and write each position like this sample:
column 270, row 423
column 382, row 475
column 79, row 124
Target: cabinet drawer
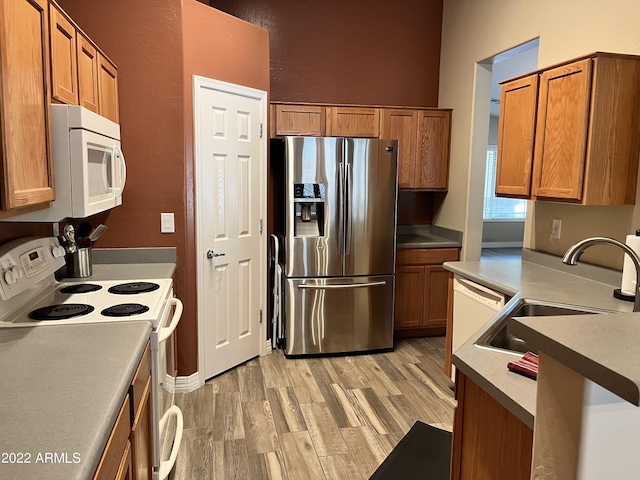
column 140, row 379
column 426, row 256
column 116, row 445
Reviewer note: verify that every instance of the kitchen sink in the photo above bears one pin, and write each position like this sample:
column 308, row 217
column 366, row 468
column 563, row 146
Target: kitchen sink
column 500, row 336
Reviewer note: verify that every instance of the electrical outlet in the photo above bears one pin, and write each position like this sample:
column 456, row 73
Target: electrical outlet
column 556, row 225
column 167, row 223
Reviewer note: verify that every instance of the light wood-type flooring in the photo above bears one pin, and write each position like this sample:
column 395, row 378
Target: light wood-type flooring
column 315, row 418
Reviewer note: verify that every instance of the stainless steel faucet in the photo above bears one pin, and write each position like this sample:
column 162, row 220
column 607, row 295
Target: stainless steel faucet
column 573, row 255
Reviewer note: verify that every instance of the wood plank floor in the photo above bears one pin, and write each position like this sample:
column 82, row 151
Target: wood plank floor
column 317, row 418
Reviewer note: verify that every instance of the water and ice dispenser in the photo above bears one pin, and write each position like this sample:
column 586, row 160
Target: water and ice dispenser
column 309, row 208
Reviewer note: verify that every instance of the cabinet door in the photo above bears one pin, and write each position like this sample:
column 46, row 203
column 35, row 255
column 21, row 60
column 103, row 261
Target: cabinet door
column 304, row 120
column 27, row 165
column 402, row 125
column 432, row 162
column 489, row 442
column 516, row 133
column 353, row 122
column 107, row 89
column 87, row 74
column 64, row 69
column 437, row 296
column 124, row 471
column 410, row 293
column 561, row 131
column 141, row 438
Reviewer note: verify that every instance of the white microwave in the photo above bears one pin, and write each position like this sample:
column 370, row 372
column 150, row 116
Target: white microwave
column 90, row 171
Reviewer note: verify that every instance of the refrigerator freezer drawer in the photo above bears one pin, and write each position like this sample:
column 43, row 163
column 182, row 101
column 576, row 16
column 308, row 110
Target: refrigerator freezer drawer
column 338, row 315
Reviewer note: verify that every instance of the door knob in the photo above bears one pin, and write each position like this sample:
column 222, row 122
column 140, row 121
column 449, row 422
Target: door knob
column 211, row 254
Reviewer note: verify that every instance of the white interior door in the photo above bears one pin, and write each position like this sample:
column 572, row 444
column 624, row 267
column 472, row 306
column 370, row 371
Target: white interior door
column 230, row 183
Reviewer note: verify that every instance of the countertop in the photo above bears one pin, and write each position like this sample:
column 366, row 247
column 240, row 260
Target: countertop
column 62, row 389
column 427, row 236
column 605, row 350
column 488, row 368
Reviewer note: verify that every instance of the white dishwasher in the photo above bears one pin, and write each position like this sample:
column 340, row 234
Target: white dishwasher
column 473, row 306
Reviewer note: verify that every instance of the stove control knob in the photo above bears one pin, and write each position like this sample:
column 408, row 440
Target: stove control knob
column 10, row 277
column 17, row 272
column 57, row 252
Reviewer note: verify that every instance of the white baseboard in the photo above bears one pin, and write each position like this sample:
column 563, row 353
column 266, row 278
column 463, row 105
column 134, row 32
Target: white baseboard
column 501, row 244
column 183, row 384
column 268, row 349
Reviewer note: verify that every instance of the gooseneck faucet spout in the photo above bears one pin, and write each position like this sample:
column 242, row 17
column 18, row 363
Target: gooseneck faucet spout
column 573, row 255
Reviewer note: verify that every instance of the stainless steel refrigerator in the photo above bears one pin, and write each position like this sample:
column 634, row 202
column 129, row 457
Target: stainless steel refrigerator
column 339, row 243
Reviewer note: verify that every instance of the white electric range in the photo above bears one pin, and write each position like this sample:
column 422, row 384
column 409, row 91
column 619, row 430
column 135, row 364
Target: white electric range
column 31, row 297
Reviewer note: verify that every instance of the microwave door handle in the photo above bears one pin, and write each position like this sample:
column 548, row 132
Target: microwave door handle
column 123, row 171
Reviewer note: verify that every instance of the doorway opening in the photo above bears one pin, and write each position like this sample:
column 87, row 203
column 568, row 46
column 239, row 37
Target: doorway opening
column 503, row 219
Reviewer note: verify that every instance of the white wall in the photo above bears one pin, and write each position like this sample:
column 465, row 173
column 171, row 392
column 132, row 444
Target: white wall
column 474, row 31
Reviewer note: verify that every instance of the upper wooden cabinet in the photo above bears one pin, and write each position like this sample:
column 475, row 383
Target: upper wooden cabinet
column 585, row 144
column 107, row 89
column 25, row 128
column 87, row 73
column 353, row 122
column 516, row 136
column 402, row 125
column 80, row 73
column 432, row 161
column 307, row 120
column 423, row 146
column 423, row 134
column 64, row 68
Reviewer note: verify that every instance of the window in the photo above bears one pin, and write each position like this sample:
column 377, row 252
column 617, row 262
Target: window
column 498, row 208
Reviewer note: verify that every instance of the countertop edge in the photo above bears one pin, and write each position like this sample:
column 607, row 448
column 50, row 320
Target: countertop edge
column 595, row 371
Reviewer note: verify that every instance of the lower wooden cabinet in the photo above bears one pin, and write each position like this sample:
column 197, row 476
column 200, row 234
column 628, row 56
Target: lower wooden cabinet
column 489, row 442
column 128, row 454
column 423, row 296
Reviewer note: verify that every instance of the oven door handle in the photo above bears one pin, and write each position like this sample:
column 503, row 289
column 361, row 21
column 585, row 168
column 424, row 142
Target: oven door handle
column 167, row 465
column 165, row 332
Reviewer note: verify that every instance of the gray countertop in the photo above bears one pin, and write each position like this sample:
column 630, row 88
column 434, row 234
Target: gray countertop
column 128, row 271
column 427, row 236
column 62, row 389
column 605, row 350
column 488, row 368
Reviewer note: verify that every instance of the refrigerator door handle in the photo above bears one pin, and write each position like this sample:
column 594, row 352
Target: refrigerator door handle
column 340, row 207
column 347, row 214
column 305, row 286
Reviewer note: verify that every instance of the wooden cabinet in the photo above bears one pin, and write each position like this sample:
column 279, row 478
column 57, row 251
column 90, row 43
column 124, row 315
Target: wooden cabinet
column 26, row 164
column 423, row 146
column 423, row 292
column 489, row 442
column 353, row 122
column 423, row 135
column 80, row 73
column 307, row 120
column 585, row 146
column 87, row 73
column 64, row 67
column 516, row 136
column 432, row 162
column 107, row 89
column 114, row 458
column 128, row 454
column 140, row 392
column 402, row 125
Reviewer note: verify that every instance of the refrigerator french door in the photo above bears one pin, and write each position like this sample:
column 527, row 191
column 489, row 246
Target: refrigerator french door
column 339, row 243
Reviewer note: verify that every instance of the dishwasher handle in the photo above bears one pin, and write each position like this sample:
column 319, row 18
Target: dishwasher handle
column 479, row 293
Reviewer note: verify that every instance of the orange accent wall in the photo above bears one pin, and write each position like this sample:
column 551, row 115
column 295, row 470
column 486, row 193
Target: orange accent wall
column 157, row 47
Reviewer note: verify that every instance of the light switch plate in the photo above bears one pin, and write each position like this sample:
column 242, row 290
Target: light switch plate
column 167, row 223
column 556, row 226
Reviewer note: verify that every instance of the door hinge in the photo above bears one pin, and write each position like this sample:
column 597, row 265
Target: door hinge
column 260, row 315
column 261, row 225
column 260, row 130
